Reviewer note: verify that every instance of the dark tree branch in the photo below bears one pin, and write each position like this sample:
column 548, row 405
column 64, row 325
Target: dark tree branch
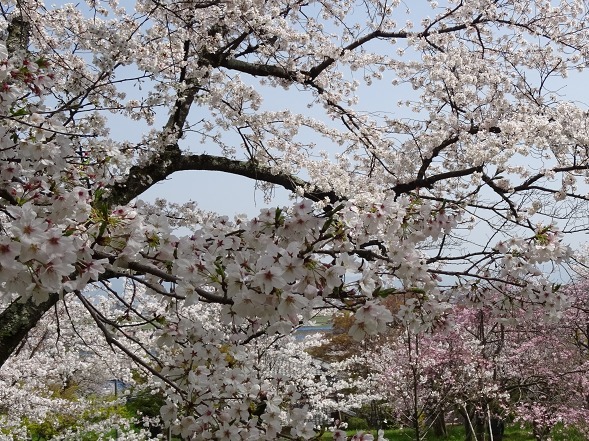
column 257, row 69
column 172, row 160
column 431, row 181
column 100, row 321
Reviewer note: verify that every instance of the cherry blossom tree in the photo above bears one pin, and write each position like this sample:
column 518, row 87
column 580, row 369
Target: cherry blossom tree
column 59, row 381
column 423, row 376
column 386, row 195
column 491, row 371
column 547, row 369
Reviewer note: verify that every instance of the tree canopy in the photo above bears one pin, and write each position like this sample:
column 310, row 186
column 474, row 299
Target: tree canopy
column 431, row 156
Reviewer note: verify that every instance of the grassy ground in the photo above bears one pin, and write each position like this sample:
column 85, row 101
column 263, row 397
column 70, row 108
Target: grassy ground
column 456, row 433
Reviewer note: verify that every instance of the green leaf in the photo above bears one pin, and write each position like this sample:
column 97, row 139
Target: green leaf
column 19, row 112
column 383, row 292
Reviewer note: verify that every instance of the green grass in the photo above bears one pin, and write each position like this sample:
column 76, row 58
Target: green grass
column 456, row 433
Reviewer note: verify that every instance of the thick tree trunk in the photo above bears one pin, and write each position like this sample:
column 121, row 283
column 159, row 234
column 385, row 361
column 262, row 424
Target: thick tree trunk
column 439, row 425
column 467, row 422
column 474, row 425
column 19, row 317
column 540, row 432
column 17, row 320
column 497, row 428
column 480, row 427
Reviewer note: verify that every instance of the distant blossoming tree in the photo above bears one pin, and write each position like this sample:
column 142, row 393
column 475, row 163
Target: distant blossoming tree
column 490, row 371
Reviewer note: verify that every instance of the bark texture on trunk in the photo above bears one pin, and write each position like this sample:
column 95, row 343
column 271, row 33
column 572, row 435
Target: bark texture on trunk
column 17, row 320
